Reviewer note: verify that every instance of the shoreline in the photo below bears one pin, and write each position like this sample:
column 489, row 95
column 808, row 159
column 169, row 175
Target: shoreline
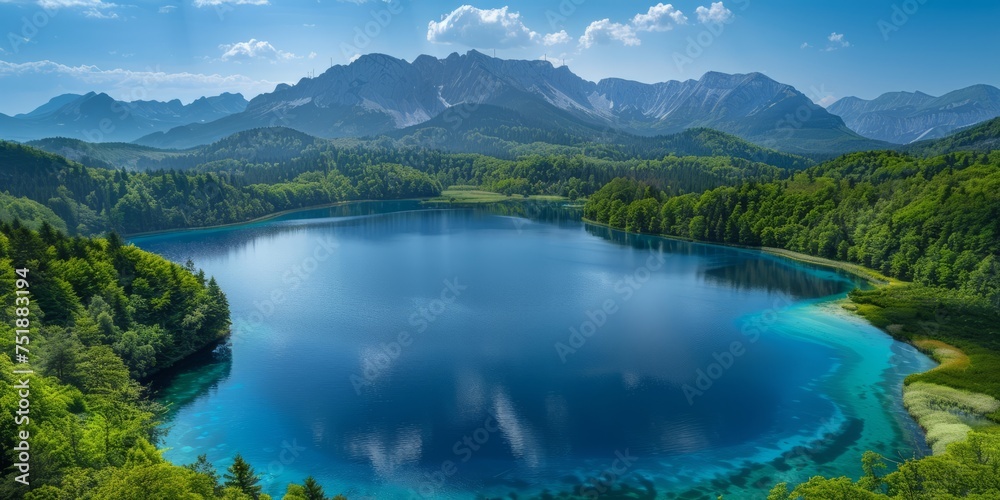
column 870, row 275
column 263, row 218
column 931, row 347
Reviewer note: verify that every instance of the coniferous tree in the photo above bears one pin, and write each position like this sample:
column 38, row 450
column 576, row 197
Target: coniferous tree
column 241, row 475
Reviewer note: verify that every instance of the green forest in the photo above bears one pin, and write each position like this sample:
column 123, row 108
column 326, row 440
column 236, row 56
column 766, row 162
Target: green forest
column 934, row 221
column 930, row 224
column 106, row 316
column 260, row 172
column 103, row 317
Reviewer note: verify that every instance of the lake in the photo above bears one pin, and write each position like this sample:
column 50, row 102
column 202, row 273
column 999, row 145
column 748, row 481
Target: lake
column 393, row 350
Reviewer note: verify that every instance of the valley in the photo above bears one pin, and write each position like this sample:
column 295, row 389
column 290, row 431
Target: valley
column 579, row 269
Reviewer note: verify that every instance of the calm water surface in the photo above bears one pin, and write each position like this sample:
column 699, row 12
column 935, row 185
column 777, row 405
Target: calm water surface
column 398, row 352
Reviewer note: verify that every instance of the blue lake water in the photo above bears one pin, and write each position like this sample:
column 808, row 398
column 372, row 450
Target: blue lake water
column 394, row 351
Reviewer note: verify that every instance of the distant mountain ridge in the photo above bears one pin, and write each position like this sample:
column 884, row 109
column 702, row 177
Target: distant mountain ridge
column 983, row 137
column 97, row 117
column 905, row 117
column 378, row 94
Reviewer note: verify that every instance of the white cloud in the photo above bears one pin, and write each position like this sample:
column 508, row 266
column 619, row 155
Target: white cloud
column 129, row 81
column 805, row 45
column 481, row 28
column 213, row 3
column 556, row 38
column 93, row 9
column 253, row 49
column 56, row 4
column 312, row 55
column 353, row 58
column 166, row 9
column 96, row 14
column 837, row 41
column 604, row 31
column 717, row 13
column 660, row 17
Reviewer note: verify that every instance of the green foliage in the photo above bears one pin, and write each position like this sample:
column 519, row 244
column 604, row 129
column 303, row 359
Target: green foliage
column 969, row 469
column 94, row 200
column 102, row 315
column 308, row 490
column 241, row 476
column 981, row 137
column 30, row 213
column 260, row 172
column 913, row 312
column 934, row 221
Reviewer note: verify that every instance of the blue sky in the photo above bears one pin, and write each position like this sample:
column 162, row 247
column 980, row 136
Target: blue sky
column 139, row 49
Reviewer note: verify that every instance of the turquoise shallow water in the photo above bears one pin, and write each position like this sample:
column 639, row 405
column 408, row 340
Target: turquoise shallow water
column 397, row 352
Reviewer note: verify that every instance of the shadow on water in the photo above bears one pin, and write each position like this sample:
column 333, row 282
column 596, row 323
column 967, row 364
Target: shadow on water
column 556, row 213
column 744, row 269
column 187, row 381
column 374, row 221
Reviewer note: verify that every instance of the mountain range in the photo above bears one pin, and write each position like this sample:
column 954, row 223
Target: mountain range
column 466, row 100
column 905, row 117
column 97, row 117
column 378, row 94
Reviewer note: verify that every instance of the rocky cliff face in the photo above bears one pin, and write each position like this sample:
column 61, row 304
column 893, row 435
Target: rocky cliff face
column 378, row 93
column 905, row 117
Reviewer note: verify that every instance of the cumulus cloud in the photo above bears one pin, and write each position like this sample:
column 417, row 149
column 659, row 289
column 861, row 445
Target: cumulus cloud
column 481, row 28
column 604, row 31
column 556, row 38
column 660, row 17
column 253, row 49
column 215, row 3
column 716, row 13
column 805, row 45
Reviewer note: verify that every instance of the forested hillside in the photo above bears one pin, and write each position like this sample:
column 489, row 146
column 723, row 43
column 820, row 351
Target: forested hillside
column 93, row 200
column 101, row 316
column 264, row 171
column 935, row 221
column 983, row 137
